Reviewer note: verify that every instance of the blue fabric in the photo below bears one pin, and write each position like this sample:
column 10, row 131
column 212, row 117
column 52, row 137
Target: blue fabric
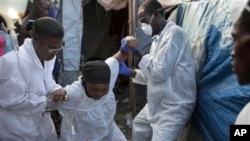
column 126, row 48
column 8, row 46
column 220, row 97
column 123, row 69
column 54, row 12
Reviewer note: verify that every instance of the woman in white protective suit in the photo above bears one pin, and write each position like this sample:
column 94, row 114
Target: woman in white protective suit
column 25, row 80
column 89, row 113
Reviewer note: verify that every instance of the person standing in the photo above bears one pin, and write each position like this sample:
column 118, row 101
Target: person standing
column 240, row 53
column 39, row 8
column 25, row 80
column 168, row 70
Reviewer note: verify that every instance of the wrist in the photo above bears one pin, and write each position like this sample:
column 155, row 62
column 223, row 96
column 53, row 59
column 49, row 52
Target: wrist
column 135, row 50
column 124, row 45
column 123, row 51
column 132, row 73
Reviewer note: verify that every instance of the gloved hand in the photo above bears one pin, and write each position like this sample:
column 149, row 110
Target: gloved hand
column 123, row 69
column 126, row 48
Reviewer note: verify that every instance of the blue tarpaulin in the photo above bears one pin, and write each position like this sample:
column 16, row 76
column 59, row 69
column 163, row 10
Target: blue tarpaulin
column 220, row 97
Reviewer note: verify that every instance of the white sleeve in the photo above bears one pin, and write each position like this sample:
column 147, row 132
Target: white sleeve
column 75, row 94
column 114, row 68
column 140, row 78
column 161, row 66
column 13, row 95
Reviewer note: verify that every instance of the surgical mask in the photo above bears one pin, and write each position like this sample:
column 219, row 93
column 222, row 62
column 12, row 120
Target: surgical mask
column 147, row 28
column 237, row 7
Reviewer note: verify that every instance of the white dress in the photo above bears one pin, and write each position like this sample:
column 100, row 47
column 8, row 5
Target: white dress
column 86, row 119
column 24, row 84
column 169, row 73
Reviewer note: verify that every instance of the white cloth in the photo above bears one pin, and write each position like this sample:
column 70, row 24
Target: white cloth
column 168, row 3
column 86, row 119
column 24, row 84
column 73, row 28
column 236, row 8
column 169, row 73
column 244, row 116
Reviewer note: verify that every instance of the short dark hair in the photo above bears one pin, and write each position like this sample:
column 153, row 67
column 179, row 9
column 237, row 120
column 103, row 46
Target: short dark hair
column 244, row 20
column 151, row 6
column 47, row 26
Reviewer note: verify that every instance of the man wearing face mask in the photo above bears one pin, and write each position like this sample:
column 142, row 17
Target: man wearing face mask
column 169, row 73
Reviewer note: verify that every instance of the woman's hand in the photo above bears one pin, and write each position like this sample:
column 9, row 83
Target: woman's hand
column 58, row 96
column 129, row 43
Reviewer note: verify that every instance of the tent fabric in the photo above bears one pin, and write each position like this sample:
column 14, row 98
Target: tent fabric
column 113, row 4
column 96, row 26
column 220, row 97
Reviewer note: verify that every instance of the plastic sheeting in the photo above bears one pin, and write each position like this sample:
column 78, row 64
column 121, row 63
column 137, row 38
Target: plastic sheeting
column 220, row 97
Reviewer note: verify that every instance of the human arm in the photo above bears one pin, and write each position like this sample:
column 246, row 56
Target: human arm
column 124, row 70
column 162, row 61
column 75, row 94
column 128, row 43
column 58, row 96
column 15, row 95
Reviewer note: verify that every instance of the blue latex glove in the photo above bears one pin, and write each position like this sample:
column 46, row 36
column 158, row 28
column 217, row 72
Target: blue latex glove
column 126, row 48
column 123, row 69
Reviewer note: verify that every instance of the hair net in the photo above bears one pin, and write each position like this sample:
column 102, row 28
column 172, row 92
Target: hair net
column 96, row 72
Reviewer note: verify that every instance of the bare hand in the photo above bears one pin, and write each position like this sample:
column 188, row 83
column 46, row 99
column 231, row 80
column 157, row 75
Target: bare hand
column 59, row 96
column 131, row 41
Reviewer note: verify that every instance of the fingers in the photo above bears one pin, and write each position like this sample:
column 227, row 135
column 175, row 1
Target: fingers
column 131, row 41
column 59, row 96
column 66, row 98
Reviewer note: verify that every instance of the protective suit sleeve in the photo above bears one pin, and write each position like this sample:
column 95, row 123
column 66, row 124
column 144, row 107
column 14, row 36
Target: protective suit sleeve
column 158, row 67
column 139, row 78
column 14, row 98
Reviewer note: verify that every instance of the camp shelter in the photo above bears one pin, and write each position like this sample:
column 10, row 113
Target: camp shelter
column 219, row 97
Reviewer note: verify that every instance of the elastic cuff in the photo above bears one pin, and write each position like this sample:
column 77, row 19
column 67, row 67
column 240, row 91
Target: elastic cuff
column 123, row 51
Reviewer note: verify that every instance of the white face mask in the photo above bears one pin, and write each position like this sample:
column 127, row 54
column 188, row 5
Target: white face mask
column 237, row 7
column 147, row 28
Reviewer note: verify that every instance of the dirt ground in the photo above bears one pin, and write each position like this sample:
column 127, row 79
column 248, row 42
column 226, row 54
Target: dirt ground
column 123, row 115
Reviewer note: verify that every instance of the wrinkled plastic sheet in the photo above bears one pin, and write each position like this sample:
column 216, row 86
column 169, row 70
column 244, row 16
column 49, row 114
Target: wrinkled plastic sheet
column 220, row 97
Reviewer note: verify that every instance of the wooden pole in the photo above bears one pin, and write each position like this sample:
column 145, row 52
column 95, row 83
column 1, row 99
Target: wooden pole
column 132, row 30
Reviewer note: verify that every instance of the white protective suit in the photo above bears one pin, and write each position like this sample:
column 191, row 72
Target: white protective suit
column 243, row 117
column 24, row 84
column 169, row 73
column 86, row 119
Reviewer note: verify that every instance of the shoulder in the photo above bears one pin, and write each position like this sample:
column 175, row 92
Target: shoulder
column 174, row 31
column 174, row 27
column 112, row 62
column 8, row 64
column 244, row 115
column 113, row 65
